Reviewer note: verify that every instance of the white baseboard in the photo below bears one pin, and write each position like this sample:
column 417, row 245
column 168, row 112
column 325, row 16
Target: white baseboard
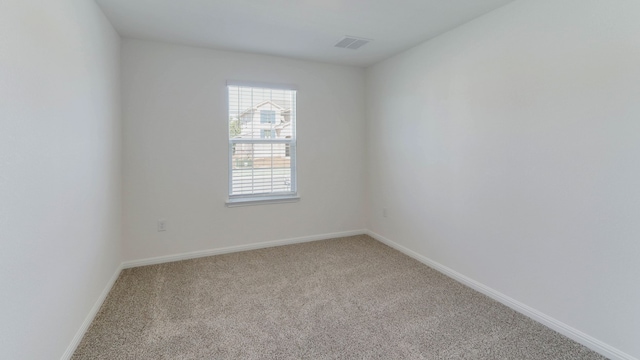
column 92, row 314
column 231, row 249
column 564, row 329
column 184, row 256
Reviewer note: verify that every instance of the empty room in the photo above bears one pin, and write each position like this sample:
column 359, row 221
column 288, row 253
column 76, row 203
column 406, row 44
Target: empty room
column 335, row 179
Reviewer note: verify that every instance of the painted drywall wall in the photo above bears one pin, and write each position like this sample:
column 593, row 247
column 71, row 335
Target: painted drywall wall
column 60, row 171
column 507, row 150
column 176, row 149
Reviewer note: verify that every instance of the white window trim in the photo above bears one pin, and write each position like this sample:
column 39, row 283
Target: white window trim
column 262, row 200
column 250, row 200
column 261, row 85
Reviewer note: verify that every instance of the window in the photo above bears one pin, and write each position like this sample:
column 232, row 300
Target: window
column 287, row 149
column 262, row 144
column 266, row 134
column 267, row 116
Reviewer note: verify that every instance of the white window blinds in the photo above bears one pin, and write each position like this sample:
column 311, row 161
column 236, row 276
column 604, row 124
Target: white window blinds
column 262, row 142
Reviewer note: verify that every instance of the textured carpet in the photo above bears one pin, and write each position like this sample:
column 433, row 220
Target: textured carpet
column 336, row 299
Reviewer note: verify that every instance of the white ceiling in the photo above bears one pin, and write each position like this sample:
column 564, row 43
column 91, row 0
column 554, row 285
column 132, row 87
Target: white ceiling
column 304, row 29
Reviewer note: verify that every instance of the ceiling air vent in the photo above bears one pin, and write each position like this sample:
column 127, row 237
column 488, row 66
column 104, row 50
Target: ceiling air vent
column 352, row 42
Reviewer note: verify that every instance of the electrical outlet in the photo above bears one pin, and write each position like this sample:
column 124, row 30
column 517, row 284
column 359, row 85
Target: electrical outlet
column 162, row 225
column 384, row 212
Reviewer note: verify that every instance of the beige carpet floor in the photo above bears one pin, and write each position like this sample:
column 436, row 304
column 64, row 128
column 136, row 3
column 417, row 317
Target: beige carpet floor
column 346, row 298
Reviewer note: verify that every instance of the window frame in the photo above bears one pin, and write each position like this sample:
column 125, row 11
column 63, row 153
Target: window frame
column 290, row 146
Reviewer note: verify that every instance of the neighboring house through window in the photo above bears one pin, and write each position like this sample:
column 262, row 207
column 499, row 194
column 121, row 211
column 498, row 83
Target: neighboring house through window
column 287, row 149
column 266, row 134
column 267, row 116
column 262, row 143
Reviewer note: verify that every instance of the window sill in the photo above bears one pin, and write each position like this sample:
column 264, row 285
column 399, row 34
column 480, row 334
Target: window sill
column 263, row 200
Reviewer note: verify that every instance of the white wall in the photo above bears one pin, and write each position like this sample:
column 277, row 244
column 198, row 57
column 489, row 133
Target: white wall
column 508, row 150
column 176, row 149
column 60, row 171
